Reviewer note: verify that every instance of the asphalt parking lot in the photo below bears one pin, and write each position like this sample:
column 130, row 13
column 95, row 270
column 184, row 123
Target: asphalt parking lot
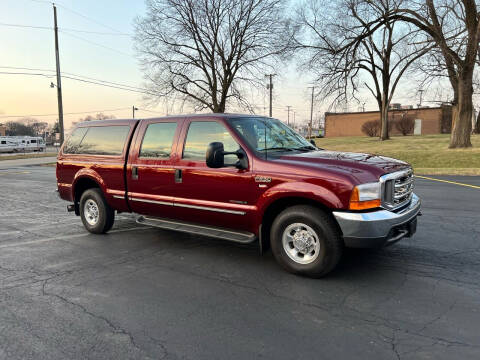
column 140, row 293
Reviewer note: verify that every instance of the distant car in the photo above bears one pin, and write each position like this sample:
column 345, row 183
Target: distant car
column 241, row 178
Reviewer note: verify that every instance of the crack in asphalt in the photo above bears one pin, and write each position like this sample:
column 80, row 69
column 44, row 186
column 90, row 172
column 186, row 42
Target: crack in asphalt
column 115, row 328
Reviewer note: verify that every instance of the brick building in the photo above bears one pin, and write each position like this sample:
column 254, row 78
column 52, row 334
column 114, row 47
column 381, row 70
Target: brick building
column 3, row 129
column 437, row 120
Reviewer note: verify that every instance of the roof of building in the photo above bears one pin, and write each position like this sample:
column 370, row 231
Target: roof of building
column 389, row 110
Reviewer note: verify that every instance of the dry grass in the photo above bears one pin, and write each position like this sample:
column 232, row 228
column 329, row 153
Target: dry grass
column 27, row 156
column 428, row 154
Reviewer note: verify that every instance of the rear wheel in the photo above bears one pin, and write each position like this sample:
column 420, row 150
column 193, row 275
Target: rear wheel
column 97, row 216
column 305, row 240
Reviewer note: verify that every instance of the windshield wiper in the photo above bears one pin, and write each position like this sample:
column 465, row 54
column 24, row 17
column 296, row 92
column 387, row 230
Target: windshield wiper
column 305, row 148
column 278, row 148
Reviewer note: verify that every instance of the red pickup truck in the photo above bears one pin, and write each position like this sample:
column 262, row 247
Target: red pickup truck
column 242, row 178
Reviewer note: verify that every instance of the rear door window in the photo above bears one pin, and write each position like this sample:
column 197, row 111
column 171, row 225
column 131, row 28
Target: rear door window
column 158, row 139
column 73, row 143
column 104, row 140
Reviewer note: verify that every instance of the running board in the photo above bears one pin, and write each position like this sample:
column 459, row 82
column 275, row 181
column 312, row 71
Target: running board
column 242, row 237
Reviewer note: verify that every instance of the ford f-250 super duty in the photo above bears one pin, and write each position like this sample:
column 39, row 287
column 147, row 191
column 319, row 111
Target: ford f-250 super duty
column 241, row 178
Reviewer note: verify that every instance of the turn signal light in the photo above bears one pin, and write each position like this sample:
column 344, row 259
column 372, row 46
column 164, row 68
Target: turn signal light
column 357, row 204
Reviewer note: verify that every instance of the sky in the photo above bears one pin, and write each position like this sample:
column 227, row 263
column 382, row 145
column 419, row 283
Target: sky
column 92, row 50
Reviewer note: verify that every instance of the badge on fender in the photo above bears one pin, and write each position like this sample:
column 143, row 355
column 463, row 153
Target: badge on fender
column 263, row 179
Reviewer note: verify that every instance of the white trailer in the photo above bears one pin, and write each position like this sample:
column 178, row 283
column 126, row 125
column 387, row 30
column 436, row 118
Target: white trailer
column 21, row 144
column 8, row 144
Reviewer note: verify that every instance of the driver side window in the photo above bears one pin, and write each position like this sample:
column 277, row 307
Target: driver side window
column 201, row 134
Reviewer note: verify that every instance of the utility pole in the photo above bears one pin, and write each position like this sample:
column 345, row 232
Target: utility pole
column 311, row 114
column 133, row 111
column 294, row 119
column 270, row 87
column 59, row 80
column 421, row 97
column 288, row 114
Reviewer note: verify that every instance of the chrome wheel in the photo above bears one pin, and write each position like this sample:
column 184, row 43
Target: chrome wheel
column 90, row 210
column 301, row 243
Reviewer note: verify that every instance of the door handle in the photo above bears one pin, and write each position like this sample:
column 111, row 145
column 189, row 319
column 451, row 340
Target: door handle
column 178, row 176
column 134, row 173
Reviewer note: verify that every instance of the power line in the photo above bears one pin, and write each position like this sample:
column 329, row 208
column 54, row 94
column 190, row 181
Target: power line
column 97, row 44
column 79, row 14
column 24, row 68
column 122, row 87
column 65, row 29
column 95, row 32
column 72, row 113
column 43, row 1
column 24, row 73
column 69, row 73
column 27, row 26
column 151, row 111
column 90, row 19
column 111, row 86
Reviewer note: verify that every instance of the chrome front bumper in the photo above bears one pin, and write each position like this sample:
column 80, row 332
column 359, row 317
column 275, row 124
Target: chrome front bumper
column 378, row 228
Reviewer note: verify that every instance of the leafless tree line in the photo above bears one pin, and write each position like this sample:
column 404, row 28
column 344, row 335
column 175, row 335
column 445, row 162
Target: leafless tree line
column 210, row 52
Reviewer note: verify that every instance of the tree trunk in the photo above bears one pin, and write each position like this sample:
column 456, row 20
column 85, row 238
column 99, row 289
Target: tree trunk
column 462, row 114
column 219, row 108
column 477, row 126
column 384, row 135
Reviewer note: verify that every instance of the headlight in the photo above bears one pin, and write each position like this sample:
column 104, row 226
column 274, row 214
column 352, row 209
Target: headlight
column 366, row 196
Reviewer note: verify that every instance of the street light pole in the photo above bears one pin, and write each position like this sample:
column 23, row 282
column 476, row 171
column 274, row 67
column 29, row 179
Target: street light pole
column 270, row 87
column 311, row 115
column 133, row 111
column 59, row 80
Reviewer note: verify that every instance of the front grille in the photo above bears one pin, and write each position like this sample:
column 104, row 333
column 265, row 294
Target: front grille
column 397, row 188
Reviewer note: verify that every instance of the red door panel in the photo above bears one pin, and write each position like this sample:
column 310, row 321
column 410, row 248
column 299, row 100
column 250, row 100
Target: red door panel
column 150, row 173
column 224, row 197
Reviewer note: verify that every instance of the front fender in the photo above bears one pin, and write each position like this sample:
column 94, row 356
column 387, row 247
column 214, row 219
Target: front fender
column 309, row 191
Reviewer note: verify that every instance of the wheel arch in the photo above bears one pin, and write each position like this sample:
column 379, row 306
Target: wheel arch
column 80, row 185
column 278, row 205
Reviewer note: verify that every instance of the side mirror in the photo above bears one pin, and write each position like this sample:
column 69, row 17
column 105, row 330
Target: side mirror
column 215, row 155
column 313, row 142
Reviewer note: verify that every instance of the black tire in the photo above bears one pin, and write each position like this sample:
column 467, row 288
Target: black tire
column 106, row 215
column 327, row 234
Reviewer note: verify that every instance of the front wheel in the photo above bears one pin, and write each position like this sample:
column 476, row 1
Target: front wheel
column 305, row 240
column 97, row 216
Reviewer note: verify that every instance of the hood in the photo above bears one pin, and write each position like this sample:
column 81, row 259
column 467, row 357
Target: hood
column 359, row 165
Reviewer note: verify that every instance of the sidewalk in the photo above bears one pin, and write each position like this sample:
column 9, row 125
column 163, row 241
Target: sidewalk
column 7, row 164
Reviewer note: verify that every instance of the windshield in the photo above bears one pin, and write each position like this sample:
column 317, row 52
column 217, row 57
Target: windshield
column 266, row 134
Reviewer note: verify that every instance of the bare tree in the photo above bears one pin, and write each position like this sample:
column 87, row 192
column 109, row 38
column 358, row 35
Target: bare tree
column 406, row 124
column 350, row 49
column 371, row 128
column 206, row 51
column 99, row 116
column 454, row 27
column 27, row 126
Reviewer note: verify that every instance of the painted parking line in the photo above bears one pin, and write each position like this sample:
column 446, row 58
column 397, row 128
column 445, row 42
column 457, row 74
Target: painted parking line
column 68, row 237
column 448, row 182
